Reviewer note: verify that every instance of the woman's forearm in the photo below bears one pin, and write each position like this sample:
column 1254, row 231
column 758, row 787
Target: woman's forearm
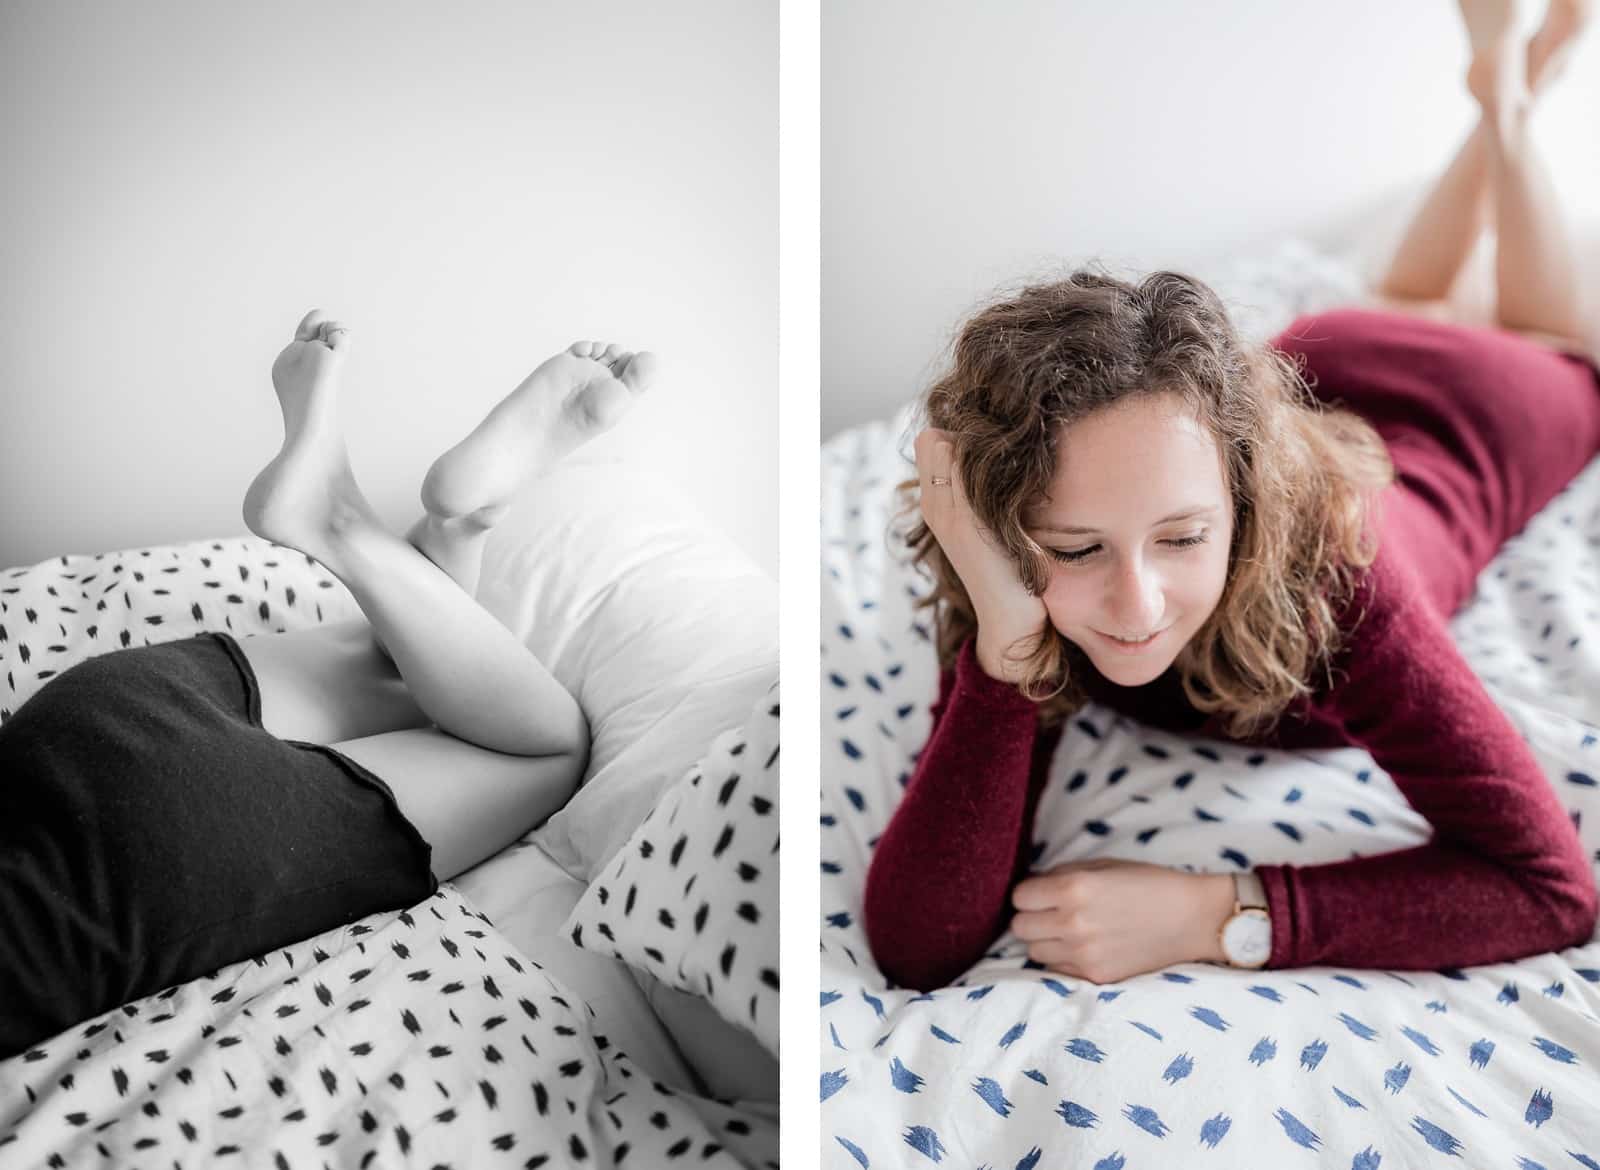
column 1424, row 908
column 1505, row 875
column 941, row 874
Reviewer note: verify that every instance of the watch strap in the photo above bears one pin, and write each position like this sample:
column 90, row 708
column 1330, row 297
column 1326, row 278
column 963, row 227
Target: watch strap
column 1248, row 891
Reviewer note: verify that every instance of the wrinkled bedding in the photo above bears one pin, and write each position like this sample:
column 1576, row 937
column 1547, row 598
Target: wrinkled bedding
column 420, row 1037
column 1496, row 1065
column 416, row 1037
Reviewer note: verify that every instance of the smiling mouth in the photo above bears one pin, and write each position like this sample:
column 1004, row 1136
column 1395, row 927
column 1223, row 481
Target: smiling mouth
column 1126, row 644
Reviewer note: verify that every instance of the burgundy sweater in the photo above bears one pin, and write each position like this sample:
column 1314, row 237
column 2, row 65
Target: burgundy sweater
column 1504, row 875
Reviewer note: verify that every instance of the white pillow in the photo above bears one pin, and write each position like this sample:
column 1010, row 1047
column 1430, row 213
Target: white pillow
column 664, row 631
column 692, row 898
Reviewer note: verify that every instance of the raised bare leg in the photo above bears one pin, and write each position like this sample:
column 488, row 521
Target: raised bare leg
column 456, row 546
column 1446, row 225
column 1535, row 275
column 466, row 672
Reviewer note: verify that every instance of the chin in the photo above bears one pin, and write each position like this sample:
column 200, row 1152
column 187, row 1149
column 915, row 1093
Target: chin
column 1127, row 670
column 1132, row 672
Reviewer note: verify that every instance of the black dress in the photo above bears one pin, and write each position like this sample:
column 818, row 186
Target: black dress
column 152, row 831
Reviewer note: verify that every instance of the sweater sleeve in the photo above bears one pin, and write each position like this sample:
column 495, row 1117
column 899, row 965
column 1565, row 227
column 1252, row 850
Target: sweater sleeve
column 1504, row 875
column 941, row 874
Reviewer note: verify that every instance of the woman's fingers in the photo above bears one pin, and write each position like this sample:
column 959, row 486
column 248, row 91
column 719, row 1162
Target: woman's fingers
column 936, row 456
column 1007, row 613
column 1040, row 891
column 1056, row 955
column 1035, row 926
column 940, row 477
column 1045, row 931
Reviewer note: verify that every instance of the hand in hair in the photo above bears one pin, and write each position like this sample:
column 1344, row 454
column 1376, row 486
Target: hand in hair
column 1106, row 920
column 1010, row 619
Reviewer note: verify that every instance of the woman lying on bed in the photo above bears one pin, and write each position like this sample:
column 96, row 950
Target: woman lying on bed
column 1121, row 502
column 170, row 809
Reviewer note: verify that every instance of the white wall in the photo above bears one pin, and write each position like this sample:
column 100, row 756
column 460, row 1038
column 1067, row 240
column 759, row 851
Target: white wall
column 471, row 187
column 967, row 145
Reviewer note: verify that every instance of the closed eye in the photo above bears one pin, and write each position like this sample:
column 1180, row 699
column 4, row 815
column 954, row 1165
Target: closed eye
column 1076, row 555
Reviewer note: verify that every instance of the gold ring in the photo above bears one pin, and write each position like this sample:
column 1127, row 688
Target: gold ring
column 940, row 481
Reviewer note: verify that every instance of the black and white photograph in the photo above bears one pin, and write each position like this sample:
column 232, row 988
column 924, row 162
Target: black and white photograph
column 1210, row 550
column 389, row 708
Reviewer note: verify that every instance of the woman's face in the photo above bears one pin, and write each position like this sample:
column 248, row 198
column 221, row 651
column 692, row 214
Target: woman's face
column 1139, row 521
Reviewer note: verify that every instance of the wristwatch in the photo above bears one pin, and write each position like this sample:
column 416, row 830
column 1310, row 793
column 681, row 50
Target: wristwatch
column 1246, row 937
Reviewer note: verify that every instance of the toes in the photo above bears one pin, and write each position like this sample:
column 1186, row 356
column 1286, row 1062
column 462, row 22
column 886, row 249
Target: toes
column 636, row 371
column 307, row 329
column 334, row 334
column 611, row 355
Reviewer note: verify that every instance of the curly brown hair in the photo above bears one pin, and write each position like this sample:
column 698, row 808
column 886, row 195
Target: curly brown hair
column 1302, row 476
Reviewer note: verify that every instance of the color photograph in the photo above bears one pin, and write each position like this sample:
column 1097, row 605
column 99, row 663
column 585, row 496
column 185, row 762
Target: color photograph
column 1210, row 682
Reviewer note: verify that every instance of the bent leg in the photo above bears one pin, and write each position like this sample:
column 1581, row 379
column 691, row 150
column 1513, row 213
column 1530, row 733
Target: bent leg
column 1441, row 235
column 1536, row 278
column 468, row 803
column 1447, row 223
column 1535, row 275
column 468, row 673
column 465, row 671
column 456, row 546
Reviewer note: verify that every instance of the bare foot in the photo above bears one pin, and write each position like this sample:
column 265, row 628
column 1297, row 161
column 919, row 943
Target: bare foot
column 1497, row 76
column 307, row 492
column 1548, row 48
column 571, row 398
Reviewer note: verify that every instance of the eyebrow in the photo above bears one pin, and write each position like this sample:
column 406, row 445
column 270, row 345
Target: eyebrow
column 1073, row 530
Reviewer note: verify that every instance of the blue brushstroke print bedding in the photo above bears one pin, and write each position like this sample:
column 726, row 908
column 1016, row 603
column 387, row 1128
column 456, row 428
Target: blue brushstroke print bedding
column 1199, row 1065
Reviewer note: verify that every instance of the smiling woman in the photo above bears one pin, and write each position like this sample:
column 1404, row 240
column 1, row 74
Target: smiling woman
column 1121, row 502
column 1123, row 450
column 1136, row 596
column 1234, row 615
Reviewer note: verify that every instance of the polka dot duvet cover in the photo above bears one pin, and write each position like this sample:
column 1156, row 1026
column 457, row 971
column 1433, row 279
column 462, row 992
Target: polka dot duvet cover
column 420, row 1037
column 1198, row 1064
column 413, row 1038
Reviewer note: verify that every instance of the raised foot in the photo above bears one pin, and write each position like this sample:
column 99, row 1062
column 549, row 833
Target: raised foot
column 307, row 492
column 1564, row 21
column 574, row 396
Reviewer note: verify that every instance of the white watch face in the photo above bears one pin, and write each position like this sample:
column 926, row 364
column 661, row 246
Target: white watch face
column 1247, row 938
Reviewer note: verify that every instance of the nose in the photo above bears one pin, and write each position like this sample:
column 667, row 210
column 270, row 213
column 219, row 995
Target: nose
column 1136, row 604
